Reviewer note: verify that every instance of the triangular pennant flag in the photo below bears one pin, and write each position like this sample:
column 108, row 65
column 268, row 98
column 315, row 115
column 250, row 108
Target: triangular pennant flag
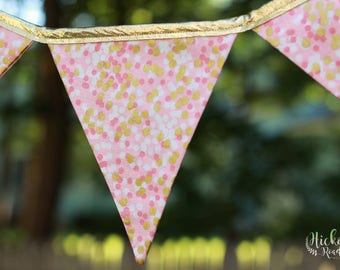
column 12, row 47
column 139, row 103
column 309, row 35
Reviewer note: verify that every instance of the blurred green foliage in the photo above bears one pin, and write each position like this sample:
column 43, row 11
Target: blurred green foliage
column 265, row 158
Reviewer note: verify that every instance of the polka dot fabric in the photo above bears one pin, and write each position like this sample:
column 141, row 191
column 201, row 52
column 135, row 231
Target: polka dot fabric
column 310, row 36
column 12, row 47
column 139, row 103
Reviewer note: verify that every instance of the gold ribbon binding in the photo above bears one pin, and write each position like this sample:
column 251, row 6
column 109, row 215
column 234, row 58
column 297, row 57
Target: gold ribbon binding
column 148, row 31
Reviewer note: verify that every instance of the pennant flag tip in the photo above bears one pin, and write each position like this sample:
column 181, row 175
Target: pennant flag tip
column 140, row 261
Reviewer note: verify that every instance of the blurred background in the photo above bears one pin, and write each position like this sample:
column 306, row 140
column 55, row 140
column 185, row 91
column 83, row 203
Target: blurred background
column 260, row 174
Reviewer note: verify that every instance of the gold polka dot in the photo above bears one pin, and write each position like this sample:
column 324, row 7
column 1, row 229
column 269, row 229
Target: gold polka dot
column 159, row 162
column 320, row 32
column 196, row 95
column 185, row 114
column 166, row 143
column 166, row 191
column 152, row 211
column 178, row 131
column 305, row 42
column 127, row 221
column 148, row 179
column 161, row 181
column 146, row 131
column 189, row 131
column 155, row 221
column 123, row 201
column 115, row 176
column 138, row 182
column 160, row 136
column 215, row 50
column 130, row 158
column 136, row 49
column 101, row 116
column 327, row 59
column 330, row 75
column 269, row 31
column 197, row 63
column 312, row 17
column 141, row 191
column 316, row 67
column 140, row 249
column 146, row 225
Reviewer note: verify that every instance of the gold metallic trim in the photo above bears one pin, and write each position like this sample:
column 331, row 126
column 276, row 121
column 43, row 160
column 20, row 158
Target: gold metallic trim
column 148, row 31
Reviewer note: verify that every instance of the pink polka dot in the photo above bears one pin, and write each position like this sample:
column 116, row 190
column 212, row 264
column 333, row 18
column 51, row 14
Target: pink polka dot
column 103, row 164
column 97, row 46
column 290, row 32
column 304, row 64
column 308, row 28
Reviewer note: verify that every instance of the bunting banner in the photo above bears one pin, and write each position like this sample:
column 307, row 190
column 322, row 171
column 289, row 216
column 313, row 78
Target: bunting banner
column 140, row 90
column 139, row 103
column 309, row 35
column 12, row 47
